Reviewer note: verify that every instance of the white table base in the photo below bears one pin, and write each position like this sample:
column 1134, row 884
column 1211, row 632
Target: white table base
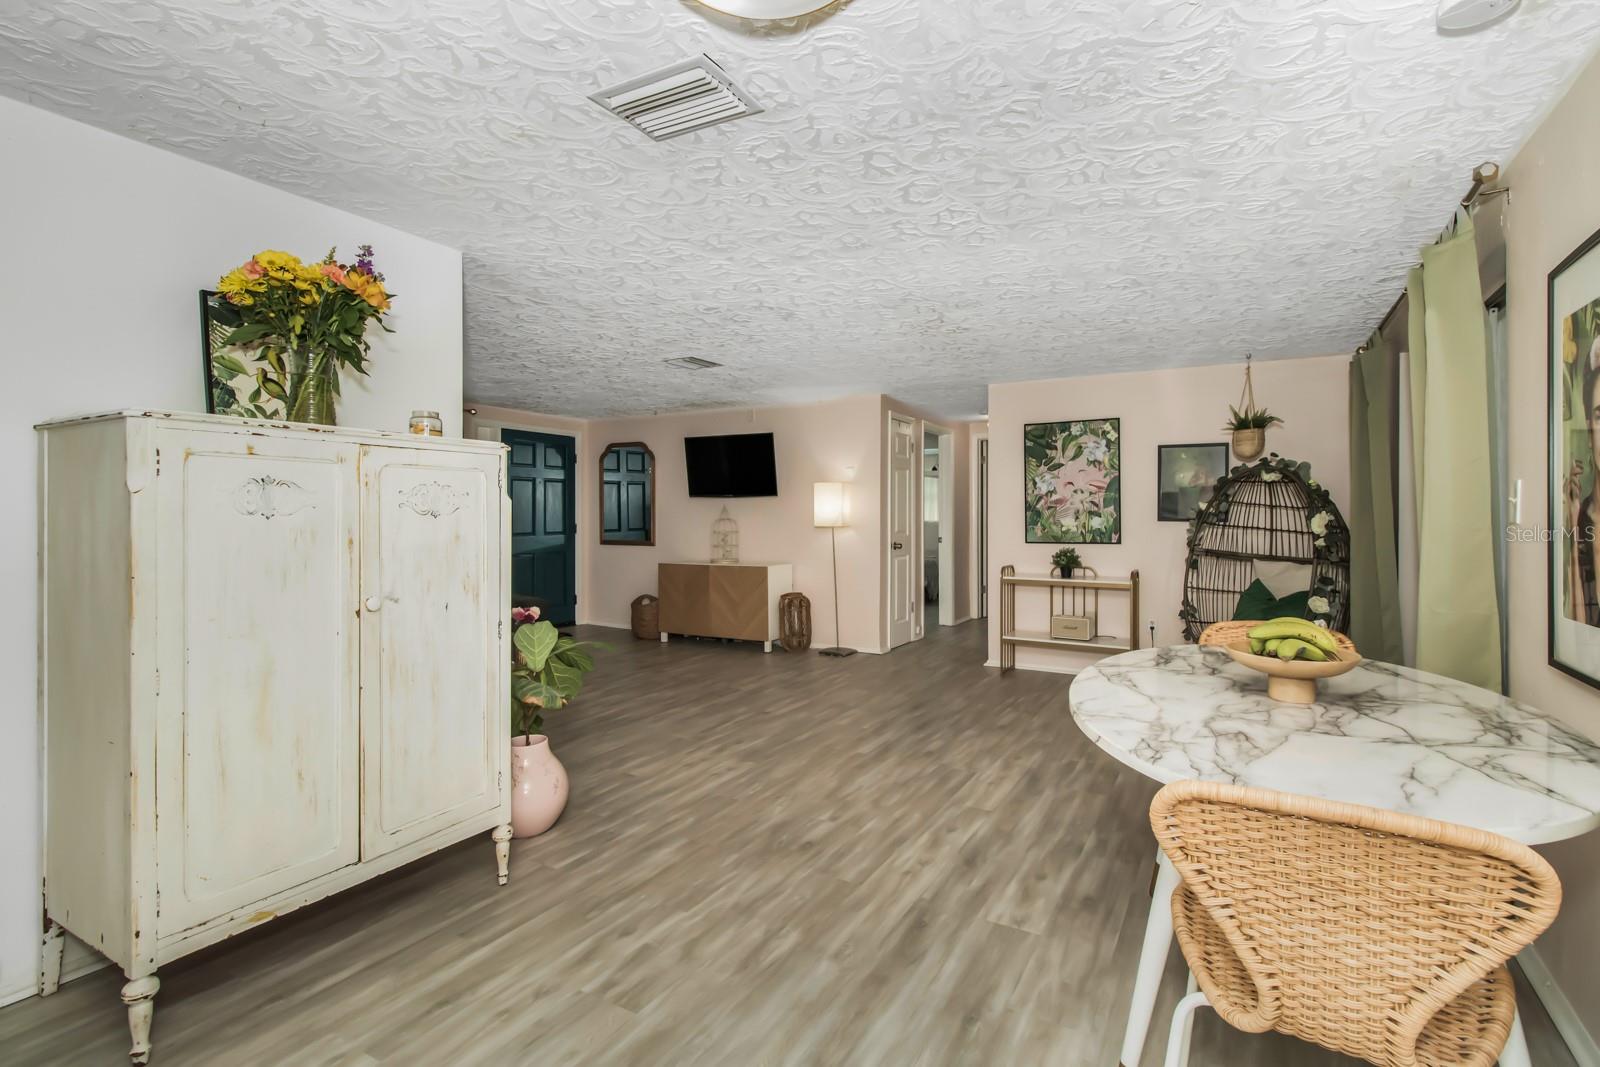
column 1152, row 961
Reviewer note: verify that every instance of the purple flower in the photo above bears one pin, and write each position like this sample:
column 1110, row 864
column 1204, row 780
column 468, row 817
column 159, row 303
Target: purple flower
column 364, row 262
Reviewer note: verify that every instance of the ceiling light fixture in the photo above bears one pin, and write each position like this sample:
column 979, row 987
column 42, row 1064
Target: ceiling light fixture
column 766, row 10
column 1464, row 16
column 690, row 363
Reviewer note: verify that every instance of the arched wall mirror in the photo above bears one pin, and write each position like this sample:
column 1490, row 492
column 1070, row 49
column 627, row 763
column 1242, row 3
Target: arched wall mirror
column 628, row 494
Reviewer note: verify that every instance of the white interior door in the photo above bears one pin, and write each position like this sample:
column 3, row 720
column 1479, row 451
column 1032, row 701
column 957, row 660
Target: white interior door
column 435, row 722
column 255, row 584
column 905, row 569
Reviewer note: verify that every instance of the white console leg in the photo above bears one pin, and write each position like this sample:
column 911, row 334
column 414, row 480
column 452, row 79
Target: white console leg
column 139, row 995
column 502, row 851
column 663, row 637
column 55, row 943
column 766, row 646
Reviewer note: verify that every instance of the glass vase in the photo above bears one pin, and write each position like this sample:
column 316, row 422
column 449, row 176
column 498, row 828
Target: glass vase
column 313, row 389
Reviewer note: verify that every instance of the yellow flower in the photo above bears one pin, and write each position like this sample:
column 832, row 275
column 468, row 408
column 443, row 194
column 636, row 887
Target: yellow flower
column 367, row 288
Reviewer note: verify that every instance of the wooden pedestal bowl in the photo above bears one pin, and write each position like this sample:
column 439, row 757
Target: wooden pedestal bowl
column 1293, row 681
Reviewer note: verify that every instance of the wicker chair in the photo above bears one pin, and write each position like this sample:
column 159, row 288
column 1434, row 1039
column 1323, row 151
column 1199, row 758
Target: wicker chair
column 1378, row 935
column 1225, row 633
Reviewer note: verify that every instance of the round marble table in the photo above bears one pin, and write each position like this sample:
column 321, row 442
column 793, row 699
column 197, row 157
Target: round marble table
column 1381, row 735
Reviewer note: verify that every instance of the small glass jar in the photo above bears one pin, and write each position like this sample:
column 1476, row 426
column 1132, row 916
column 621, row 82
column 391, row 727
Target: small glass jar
column 427, row 424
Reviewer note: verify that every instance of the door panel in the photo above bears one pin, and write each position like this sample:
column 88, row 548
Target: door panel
column 904, row 584
column 685, row 592
column 256, row 733
column 432, row 714
column 543, row 523
column 738, row 603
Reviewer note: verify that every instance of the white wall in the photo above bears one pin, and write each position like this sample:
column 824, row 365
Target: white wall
column 1555, row 206
column 1156, row 407
column 106, row 245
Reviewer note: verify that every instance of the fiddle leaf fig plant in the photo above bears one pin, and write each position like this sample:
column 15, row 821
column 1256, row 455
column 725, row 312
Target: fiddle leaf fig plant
column 547, row 670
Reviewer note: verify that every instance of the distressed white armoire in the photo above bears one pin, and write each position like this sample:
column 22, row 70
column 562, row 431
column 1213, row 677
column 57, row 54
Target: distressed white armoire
column 275, row 663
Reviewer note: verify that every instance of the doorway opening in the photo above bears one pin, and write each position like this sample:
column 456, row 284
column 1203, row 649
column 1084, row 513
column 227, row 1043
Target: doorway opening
column 938, row 534
column 541, row 480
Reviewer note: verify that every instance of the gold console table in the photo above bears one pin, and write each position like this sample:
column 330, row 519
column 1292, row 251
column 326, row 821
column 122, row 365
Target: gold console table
column 1012, row 638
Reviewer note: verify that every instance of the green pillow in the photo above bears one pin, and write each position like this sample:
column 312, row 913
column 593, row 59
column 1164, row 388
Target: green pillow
column 1257, row 602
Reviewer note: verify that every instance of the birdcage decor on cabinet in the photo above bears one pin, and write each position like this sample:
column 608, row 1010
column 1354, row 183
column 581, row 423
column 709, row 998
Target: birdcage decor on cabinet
column 725, row 539
column 1268, row 511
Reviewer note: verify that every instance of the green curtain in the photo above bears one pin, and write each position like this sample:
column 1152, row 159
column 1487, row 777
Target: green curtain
column 1458, row 609
column 1374, row 571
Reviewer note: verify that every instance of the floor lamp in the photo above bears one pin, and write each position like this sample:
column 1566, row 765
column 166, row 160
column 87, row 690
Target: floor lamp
column 828, row 510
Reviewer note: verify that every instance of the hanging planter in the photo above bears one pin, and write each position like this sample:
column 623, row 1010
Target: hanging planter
column 1249, row 423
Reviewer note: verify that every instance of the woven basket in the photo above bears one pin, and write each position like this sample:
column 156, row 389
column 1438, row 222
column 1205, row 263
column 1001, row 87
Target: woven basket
column 1226, row 633
column 647, row 618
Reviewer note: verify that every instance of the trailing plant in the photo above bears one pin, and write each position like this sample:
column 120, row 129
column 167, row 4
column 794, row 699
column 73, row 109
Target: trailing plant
column 1251, row 418
column 547, row 669
column 1066, row 560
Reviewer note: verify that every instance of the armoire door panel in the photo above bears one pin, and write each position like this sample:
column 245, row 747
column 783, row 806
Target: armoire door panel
column 430, row 580
column 257, row 751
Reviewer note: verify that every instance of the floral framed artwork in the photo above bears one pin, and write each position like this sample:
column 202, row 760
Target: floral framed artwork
column 1574, row 412
column 1185, row 475
column 1072, row 482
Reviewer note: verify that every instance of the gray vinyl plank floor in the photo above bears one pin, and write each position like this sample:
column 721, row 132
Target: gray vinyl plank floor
column 767, row 860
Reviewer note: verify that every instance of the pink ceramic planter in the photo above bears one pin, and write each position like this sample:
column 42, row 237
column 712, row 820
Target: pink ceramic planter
column 538, row 786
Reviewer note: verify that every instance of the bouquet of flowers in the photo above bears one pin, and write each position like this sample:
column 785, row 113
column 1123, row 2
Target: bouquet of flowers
column 302, row 323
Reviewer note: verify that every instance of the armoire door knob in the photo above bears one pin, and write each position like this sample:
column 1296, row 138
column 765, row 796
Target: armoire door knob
column 374, row 603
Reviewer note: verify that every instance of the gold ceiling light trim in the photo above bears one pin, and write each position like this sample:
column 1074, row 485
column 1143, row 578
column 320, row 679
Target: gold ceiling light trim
column 766, row 10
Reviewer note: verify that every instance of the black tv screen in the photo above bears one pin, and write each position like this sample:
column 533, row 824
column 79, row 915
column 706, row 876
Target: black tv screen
column 739, row 464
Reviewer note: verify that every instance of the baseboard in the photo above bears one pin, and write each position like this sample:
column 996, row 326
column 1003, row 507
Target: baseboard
column 1579, row 1041
column 11, row 996
column 956, row 622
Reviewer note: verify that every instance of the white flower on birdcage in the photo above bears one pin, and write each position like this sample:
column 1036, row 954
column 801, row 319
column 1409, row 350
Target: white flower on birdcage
column 1319, row 523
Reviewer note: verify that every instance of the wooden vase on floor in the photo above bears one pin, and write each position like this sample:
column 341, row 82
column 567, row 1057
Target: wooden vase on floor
column 538, row 786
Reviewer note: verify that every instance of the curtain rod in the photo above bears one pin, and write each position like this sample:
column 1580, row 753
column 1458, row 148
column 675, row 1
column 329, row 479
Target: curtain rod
column 1484, row 175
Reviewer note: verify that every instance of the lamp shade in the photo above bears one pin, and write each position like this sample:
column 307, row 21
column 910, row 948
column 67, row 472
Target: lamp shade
column 828, row 504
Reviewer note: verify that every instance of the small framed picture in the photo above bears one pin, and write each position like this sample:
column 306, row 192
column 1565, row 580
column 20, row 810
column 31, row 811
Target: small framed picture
column 230, row 373
column 1574, row 381
column 1185, row 475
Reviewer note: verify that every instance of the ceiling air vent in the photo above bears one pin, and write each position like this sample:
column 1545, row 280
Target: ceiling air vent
column 690, row 363
column 679, row 99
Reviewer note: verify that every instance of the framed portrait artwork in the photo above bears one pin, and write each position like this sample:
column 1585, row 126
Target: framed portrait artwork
column 1072, row 482
column 1574, row 372
column 1185, row 475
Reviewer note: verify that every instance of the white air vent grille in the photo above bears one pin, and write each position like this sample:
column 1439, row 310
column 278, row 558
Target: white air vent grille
column 690, row 363
column 678, row 99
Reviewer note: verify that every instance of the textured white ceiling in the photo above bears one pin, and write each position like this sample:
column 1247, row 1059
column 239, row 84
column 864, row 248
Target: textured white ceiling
column 941, row 193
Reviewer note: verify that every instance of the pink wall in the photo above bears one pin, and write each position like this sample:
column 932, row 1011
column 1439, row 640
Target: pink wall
column 1555, row 206
column 837, row 440
column 1156, row 407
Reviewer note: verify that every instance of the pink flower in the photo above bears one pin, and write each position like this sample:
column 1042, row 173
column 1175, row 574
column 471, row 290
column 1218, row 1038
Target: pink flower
column 252, row 269
column 336, row 272
column 521, row 615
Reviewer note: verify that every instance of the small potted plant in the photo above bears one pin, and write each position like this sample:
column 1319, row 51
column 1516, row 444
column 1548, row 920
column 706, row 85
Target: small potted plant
column 1249, row 429
column 1065, row 561
column 547, row 669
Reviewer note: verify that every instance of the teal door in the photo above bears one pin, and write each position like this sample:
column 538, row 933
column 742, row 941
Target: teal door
column 543, row 524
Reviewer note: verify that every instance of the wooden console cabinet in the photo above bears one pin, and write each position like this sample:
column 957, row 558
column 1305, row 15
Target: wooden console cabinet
column 732, row 600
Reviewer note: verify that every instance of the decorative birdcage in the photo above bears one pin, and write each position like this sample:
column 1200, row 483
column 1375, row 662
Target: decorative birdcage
column 1270, row 510
column 724, row 539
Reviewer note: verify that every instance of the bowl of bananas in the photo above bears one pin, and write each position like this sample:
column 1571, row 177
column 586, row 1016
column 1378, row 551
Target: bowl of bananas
column 1293, row 654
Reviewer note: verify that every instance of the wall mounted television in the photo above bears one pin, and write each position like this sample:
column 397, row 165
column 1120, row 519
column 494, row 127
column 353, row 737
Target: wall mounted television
column 739, row 464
